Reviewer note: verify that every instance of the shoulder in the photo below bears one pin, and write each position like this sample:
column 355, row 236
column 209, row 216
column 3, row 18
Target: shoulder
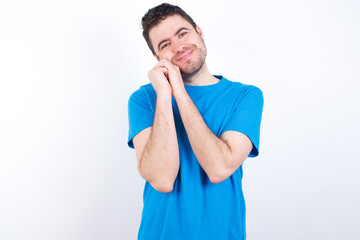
column 143, row 93
column 245, row 90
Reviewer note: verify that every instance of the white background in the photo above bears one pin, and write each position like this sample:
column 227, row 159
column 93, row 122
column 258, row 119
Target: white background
column 67, row 69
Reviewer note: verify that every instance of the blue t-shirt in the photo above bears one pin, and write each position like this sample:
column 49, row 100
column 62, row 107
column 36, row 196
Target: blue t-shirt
column 197, row 209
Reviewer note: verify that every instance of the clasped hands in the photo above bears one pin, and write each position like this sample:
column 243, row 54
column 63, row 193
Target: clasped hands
column 166, row 79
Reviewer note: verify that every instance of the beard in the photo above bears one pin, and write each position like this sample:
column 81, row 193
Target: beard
column 193, row 67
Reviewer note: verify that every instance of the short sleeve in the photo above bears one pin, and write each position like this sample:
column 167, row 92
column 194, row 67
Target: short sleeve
column 247, row 115
column 140, row 114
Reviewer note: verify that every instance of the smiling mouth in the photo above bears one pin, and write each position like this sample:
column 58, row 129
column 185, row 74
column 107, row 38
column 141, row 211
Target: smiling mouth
column 186, row 55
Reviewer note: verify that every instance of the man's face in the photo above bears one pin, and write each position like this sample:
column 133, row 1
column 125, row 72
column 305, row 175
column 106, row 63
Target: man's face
column 176, row 40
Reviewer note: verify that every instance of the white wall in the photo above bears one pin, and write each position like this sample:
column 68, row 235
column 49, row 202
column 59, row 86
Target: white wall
column 67, row 69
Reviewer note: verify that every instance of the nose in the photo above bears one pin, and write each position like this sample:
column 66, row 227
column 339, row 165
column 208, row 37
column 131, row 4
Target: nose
column 178, row 46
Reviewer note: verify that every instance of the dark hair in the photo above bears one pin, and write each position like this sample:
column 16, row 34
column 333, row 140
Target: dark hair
column 158, row 13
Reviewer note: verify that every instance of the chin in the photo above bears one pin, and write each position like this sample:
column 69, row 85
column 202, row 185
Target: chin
column 188, row 75
column 193, row 69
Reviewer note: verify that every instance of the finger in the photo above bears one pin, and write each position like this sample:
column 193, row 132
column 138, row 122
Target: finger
column 163, row 70
column 164, row 60
column 167, row 64
column 160, row 65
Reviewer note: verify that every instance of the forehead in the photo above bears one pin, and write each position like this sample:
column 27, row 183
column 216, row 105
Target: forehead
column 167, row 28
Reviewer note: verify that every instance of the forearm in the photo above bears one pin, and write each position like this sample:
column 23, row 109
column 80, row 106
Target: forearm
column 212, row 153
column 159, row 163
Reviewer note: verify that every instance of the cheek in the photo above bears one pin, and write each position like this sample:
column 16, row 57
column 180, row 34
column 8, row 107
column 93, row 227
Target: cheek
column 165, row 55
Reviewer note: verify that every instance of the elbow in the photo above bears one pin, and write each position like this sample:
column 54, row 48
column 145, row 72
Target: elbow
column 218, row 177
column 164, row 187
column 162, row 180
column 160, row 185
column 223, row 172
column 220, row 174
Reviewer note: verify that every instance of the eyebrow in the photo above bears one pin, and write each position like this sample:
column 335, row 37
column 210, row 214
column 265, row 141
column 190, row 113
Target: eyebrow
column 177, row 32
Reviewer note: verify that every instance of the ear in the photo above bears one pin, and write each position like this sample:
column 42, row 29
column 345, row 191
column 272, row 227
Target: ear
column 200, row 32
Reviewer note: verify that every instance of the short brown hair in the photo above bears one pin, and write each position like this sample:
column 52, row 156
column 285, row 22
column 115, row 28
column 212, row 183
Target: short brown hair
column 158, row 13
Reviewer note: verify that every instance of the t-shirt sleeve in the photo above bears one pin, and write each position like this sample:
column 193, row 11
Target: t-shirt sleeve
column 247, row 115
column 140, row 114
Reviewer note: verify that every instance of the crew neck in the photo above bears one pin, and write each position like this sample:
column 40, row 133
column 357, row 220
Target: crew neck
column 210, row 86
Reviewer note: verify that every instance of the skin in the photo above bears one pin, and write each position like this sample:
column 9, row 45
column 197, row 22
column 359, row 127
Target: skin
column 181, row 52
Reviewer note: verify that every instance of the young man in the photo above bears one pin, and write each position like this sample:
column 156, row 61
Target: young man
column 191, row 132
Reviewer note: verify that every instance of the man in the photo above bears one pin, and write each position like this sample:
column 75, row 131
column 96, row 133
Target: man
column 191, row 132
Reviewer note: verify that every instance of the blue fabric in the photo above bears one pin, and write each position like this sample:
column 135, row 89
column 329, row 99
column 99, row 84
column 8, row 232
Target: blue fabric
column 197, row 209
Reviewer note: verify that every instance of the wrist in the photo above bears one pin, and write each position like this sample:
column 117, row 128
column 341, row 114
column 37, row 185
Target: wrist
column 163, row 96
column 181, row 95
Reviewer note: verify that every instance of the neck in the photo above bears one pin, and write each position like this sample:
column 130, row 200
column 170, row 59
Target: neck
column 200, row 78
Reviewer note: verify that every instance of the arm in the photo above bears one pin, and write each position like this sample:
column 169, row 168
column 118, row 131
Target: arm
column 156, row 147
column 219, row 157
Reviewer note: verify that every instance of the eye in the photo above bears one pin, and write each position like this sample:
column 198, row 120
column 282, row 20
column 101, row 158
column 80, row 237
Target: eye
column 164, row 45
column 182, row 34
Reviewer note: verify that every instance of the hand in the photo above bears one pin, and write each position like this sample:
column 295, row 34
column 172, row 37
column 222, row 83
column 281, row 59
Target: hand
column 158, row 77
column 174, row 77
